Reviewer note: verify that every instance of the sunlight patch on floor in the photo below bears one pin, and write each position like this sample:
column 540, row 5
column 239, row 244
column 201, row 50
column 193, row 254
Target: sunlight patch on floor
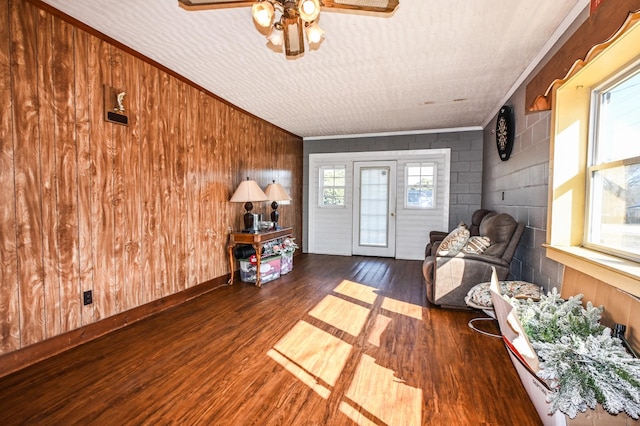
column 341, row 314
column 316, row 351
column 317, row 358
column 379, row 326
column 388, row 398
column 299, row 373
column 357, row 291
column 402, row 308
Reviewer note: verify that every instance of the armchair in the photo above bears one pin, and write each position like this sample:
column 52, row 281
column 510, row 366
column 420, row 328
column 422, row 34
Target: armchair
column 474, row 229
column 449, row 278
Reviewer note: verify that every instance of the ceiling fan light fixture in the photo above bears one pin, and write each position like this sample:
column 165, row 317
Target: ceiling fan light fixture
column 275, row 36
column 286, row 22
column 263, row 13
column 309, row 10
column 314, row 33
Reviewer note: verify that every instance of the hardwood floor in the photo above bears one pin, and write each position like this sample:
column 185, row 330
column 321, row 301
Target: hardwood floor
column 338, row 341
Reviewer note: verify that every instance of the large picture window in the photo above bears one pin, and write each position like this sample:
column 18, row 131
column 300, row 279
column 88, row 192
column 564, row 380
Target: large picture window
column 593, row 223
column 332, row 186
column 613, row 216
column 420, row 186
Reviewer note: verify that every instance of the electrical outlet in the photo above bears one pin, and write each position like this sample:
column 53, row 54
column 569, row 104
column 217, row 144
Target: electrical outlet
column 87, row 297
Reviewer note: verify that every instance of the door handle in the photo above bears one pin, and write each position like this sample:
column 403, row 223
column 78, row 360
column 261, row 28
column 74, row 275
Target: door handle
column 393, row 214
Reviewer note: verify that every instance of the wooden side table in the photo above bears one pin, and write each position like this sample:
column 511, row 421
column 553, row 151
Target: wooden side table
column 256, row 240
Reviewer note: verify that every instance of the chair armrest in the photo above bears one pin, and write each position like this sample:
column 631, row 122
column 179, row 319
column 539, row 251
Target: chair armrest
column 437, row 236
column 454, row 276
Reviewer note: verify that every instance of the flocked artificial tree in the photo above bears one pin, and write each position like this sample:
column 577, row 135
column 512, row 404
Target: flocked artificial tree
column 579, row 357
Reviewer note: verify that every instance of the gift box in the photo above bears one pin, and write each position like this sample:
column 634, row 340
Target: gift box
column 269, row 269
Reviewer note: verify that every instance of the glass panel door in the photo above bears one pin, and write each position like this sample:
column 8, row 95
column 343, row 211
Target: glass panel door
column 374, row 210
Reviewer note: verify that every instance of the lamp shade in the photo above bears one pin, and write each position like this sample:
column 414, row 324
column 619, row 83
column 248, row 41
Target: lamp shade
column 263, row 13
column 309, row 10
column 314, row 33
column 275, row 192
column 248, row 190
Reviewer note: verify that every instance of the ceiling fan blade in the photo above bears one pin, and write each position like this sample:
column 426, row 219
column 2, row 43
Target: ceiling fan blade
column 376, row 6
column 213, row 4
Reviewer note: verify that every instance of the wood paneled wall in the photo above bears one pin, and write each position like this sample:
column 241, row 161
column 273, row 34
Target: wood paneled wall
column 134, row 213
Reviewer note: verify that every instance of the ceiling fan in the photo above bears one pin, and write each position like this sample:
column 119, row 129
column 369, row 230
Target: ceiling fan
column 284, row 20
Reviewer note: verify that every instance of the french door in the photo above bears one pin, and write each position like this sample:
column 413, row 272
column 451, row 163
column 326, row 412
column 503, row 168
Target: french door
column 374, row 195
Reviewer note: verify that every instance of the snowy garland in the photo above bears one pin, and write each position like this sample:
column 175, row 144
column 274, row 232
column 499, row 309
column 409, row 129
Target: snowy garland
column 579, row 357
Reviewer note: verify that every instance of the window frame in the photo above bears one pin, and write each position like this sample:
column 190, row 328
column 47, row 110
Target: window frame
column 321, row 186
column 433, row 186
column 594, row 164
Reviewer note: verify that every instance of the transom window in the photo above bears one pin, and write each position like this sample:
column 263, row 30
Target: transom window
column 420, row 185
column 613, row 216
column 332, row 186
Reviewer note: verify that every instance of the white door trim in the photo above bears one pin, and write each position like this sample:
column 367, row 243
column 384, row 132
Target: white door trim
column 390, row 249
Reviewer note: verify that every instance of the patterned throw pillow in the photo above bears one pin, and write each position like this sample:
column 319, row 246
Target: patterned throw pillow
column 476, row 245
column 454, row 242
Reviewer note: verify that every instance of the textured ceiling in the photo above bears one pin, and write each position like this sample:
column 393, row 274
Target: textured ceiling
column 434, row 64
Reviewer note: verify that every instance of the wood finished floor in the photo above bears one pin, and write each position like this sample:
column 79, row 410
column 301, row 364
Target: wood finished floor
column 338, row 341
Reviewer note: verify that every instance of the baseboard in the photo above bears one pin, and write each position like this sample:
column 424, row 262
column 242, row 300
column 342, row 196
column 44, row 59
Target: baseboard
column 29, row 355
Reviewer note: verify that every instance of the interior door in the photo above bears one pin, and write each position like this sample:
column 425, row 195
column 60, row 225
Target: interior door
column 374, row 224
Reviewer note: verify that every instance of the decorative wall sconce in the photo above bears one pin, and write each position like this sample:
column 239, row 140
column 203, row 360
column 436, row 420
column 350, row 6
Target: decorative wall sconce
column 276, row 193
column 114, row 110
column 247, row 192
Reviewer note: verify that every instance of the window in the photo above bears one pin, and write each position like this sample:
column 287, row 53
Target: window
column 593, row 165
column 613, row 216
column 332, row 186
column 420, row 185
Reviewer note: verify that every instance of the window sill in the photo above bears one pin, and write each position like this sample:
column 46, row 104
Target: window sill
column 621, row 273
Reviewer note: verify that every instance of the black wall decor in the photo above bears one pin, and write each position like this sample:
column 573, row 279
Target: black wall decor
column 505, row 132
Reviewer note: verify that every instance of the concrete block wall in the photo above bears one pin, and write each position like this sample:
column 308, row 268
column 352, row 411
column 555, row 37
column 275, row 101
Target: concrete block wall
column 519, row 186
column 466, row 164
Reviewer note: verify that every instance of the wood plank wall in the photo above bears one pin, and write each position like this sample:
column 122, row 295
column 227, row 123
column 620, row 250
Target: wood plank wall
column 134, row 213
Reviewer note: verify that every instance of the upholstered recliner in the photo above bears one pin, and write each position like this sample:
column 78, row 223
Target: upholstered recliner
column 449, row 277
column 474, row 229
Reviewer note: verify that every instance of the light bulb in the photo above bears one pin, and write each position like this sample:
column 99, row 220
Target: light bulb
column 275, row 37
column 314, row 33
column 263, row 13
column 309, row 10
column 308, row 7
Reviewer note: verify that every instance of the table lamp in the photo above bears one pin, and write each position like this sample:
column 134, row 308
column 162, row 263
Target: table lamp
column 248, row 191
column 275, row 192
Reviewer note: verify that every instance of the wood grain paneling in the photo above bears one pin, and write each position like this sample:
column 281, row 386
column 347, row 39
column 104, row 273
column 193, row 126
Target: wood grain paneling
column 66, row 166
column 27, row 174
column 102, row 199
column 131, row 159
column 9, row 299
column 149, row 178
column 121, row 140
column 133, row 213
column 191, row 181
column 85, row 171
column 46, row 124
